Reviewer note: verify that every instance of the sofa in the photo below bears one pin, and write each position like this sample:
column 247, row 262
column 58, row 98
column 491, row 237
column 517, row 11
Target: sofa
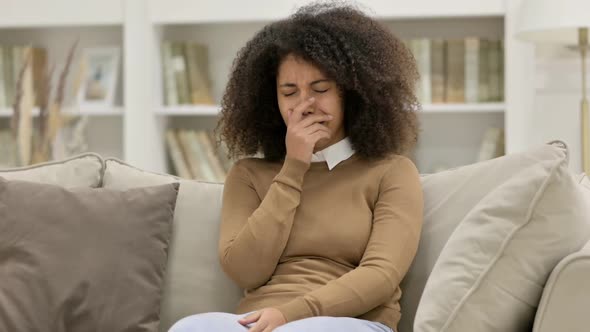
column 458, row 203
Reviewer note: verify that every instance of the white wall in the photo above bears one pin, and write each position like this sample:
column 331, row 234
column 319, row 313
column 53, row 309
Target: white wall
column 556, row 110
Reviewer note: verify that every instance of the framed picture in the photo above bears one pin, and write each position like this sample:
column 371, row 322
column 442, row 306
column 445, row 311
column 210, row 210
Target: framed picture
column 100, row 68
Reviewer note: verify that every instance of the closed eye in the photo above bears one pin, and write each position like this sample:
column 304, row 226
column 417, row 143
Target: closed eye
column 318, row 91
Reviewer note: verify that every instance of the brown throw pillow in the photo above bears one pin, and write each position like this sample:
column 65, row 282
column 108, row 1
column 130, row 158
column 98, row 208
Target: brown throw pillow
column 76, row 260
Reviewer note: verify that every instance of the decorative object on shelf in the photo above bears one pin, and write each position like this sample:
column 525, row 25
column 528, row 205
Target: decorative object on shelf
column 34, row 145
column 100, row 68
column 566, row 22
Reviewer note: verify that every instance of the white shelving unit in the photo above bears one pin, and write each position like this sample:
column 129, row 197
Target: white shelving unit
column 134, row 129
column 55, row 26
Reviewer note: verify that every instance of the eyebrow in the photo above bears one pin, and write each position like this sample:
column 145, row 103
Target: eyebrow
column 312, row 83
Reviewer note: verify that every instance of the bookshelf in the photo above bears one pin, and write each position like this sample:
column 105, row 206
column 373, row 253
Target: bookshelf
column 135, row 128
column 53, row 28
column 91, row 112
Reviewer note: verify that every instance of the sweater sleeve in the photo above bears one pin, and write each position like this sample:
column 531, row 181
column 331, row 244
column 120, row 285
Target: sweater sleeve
column 254, row 233
column 397, row 223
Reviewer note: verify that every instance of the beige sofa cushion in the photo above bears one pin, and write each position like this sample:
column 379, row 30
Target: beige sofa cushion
column 565, row 301
column 82, row 259
column 448, row 197
column 194, row 282
column 491, row 273
column 84, row 170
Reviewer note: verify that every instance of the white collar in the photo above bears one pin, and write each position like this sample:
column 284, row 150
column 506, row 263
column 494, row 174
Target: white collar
column 334, row 154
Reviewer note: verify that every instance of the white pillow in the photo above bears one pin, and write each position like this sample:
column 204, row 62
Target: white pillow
column 491, row 273
column 448, row 198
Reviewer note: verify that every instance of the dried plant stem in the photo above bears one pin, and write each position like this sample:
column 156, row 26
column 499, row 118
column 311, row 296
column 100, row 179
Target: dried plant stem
column 24, row 104
column 55, row 120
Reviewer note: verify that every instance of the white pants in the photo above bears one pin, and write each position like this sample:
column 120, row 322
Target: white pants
column 226, row 322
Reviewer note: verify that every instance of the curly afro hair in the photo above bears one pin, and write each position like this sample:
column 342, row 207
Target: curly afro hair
column 374, row 70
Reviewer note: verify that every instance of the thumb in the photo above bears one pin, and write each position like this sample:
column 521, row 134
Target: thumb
column 253, row 317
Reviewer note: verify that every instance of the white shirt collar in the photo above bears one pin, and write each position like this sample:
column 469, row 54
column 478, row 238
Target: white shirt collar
column 334, row 154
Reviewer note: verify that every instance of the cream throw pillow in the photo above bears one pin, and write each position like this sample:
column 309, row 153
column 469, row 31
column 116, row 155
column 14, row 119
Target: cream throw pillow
column 448, row 197
column 491, row 273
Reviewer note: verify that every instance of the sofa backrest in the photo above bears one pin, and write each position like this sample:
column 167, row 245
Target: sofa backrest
column 84, row 170
column 194, row 280
column 196, row 283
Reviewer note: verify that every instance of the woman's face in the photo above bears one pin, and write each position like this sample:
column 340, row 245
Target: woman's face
column 298, row 81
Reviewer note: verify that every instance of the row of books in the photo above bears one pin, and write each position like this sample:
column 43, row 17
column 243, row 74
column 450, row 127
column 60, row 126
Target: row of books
column 195, row 155
column 12, row 59
column 185, row 73
column 469, row 70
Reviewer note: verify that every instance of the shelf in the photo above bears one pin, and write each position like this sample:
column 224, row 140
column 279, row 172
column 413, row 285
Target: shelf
column 189, row 110
column 463, row 108
column 89, row 111
column 229, row 11
column 32, row 13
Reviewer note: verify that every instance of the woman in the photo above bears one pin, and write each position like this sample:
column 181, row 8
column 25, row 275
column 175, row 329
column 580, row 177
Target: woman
column 321, row 230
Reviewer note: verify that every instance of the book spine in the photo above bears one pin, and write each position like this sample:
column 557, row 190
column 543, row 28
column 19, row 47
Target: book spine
column 181, row 72
column 471, row 70
column 438, row 70
column 484, row 74
column 170, row 91
column 3, row 101
column 176, row 156
column 455, row 90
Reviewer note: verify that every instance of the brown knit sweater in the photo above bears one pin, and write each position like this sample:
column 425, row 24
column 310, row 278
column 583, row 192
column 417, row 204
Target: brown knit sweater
column 316, row 242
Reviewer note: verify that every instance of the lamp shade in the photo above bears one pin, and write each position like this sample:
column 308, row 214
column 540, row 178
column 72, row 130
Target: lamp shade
column 552, row 20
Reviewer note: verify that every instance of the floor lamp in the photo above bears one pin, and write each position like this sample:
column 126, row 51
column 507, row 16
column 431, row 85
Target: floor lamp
column 566, row 22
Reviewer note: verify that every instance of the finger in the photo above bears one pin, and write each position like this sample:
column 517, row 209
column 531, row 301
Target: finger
column 315, row 127
column 260, row 326
column 289, row 114
column 319, row 135
column 313, row 119
column 298, row 111
column 251, row 318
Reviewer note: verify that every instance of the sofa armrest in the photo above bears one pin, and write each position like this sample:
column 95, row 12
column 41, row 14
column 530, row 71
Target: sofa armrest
column 566, row 297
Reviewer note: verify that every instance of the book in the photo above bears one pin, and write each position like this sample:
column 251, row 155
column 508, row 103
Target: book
column 483, row 72
column 198, row 157
column 221, row 151
column 179, row 68
column 9, row 79
column 421, row 51
column 471, row 70
column 455, row 80
column 437, row 69
column 39, row 63
column 3, row 101
column 170, row 91
column 495, row 56
column 176, row 156
column 210, row 156
column 197, row 65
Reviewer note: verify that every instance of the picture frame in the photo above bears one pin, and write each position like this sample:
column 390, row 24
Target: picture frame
column 100, row 72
